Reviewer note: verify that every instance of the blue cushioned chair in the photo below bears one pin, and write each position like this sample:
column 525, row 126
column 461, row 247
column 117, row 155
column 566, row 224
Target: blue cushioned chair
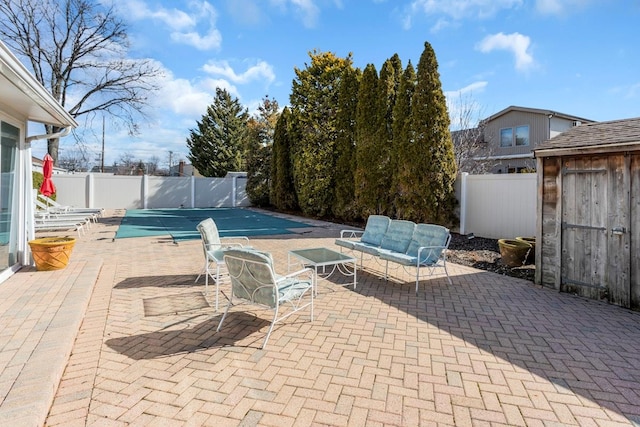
column 254, row 280
column 213, row 247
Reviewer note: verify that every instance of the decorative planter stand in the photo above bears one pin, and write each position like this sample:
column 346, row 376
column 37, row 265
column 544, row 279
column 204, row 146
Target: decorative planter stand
column 51, row 253
column 513, row 252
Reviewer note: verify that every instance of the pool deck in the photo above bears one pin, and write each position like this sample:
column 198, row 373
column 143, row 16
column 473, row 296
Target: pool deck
column 123, row 336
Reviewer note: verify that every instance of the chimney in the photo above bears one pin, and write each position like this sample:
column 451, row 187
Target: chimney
column 181, row 168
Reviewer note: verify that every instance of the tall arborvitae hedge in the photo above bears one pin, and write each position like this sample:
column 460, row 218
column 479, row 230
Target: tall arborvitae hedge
column 282, row 193
column 344, row 199
column 260, row 131
column 388, row 85
column 368, row 123
column 429, row 168
column 402, row 139
column 314, row 99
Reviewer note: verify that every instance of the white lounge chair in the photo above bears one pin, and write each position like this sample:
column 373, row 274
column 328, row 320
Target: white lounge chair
column 52, row 205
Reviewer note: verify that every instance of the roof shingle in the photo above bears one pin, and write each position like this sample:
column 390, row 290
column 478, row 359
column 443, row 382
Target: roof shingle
column 596, row 134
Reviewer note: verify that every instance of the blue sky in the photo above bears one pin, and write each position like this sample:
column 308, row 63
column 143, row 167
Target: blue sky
column 579, row 57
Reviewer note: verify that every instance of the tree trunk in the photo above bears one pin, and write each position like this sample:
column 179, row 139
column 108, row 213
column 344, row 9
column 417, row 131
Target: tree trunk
column 52, row 149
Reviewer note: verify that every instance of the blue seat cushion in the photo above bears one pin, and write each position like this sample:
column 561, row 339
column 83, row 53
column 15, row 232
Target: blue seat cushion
column 428, row 235
column 402, row 259
column 366, row 248
column 398, row 236
column 345, row 243
column 375, row 229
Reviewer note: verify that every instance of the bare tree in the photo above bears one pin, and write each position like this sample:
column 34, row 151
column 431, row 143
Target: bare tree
column 152, row 165
column 76, row 159
column 472, row 150
column 77, row 49
column 126, row 164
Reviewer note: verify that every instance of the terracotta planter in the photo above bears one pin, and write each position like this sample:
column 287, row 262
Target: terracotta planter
column 51, row 253
column 513, row 252
column 531, row 258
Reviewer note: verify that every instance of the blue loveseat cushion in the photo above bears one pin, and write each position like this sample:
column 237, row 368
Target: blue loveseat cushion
column 398, row 236
column 345, row 243
column 375, row 229
column 428, row 235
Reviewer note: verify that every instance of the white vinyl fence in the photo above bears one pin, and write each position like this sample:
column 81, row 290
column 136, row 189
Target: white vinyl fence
column 149, row 192
column 498, row 206
column 494, row 206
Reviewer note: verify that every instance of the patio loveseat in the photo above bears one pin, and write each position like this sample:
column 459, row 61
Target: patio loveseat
column 421, row 246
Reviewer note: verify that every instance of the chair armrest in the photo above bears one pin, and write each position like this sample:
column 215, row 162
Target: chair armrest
column 431, row 249
column 243, row 238
column 296, row 273
column 350, row 234
column 226, row 245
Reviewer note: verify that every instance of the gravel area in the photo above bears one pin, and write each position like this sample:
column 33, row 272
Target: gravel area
column 484, row 254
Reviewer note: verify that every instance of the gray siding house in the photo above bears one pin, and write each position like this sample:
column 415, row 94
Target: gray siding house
column 510, row 136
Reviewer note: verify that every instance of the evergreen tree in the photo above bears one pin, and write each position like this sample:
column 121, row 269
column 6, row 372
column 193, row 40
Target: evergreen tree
column 389, row 82
column 402, row 137
column 282, row 193
column 344, row 201
column 368, row 123
column 259, row 150
column 217, row 146
column 428, row 179
column 314, row 99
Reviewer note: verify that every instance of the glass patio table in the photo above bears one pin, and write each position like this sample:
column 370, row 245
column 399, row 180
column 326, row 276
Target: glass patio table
column 324, row 262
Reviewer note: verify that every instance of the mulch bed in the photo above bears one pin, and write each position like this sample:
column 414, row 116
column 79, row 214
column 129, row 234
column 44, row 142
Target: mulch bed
column 484, row 254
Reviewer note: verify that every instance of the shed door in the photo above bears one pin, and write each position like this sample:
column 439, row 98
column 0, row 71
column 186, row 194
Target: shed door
column 595, row 229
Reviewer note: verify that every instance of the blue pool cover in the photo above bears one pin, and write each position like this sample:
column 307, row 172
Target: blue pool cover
column 180, row 224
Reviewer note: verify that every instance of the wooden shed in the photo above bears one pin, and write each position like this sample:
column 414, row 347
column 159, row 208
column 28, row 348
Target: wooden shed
column 588, row 219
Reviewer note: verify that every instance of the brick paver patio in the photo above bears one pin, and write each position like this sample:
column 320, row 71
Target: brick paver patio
column 489, row 350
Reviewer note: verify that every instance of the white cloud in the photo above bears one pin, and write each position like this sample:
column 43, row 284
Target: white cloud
column 464, row 110
column 516, row 43
column 212, row 40
column 213, row 84
column 195, row 27
column 183, row 98
column 475, row 87
column 261, row 71
column 558, row 7
column 306, row 9
column 458, row 9
column 173, row 18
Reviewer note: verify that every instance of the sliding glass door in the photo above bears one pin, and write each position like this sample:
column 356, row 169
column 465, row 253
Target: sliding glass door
column 9, row 142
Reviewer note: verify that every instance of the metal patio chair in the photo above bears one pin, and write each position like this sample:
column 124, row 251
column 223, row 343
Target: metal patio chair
column 254, row 281
column 213, row 246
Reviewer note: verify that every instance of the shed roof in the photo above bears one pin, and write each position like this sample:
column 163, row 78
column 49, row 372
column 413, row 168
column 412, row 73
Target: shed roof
column 606, row 135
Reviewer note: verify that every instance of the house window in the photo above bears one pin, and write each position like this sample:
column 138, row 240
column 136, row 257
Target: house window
column 522, row 135
column 506, row 137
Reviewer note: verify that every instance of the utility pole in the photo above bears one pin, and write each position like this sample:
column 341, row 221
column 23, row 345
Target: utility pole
column 170, row 154
column 102, row 156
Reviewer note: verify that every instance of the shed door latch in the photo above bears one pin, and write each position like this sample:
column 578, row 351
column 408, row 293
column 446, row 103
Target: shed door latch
column 619, row 231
